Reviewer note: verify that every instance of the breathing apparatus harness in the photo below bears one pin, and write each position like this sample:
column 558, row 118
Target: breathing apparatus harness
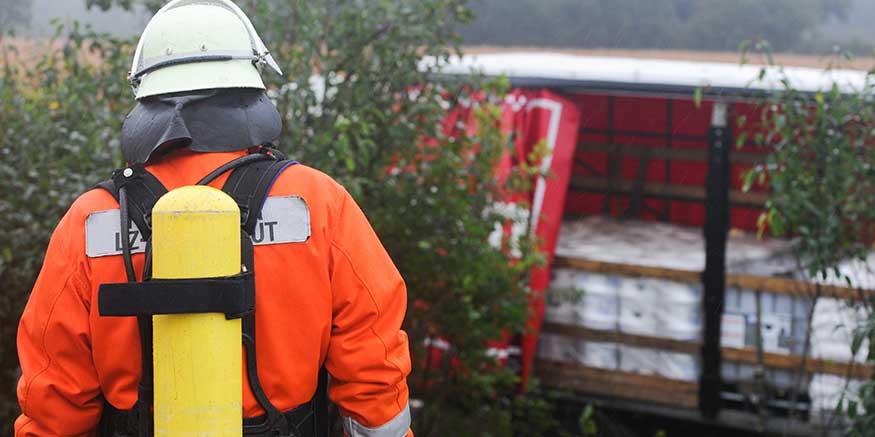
column 137, row 190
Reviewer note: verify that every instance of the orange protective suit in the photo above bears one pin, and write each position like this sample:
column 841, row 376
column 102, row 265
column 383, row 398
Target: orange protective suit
column 335, row 299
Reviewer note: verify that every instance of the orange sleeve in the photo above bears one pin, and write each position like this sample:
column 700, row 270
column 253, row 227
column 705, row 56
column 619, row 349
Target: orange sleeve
column 368, row 354
column 58, row 392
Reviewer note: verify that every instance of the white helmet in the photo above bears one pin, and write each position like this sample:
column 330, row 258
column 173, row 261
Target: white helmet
column 198, row 44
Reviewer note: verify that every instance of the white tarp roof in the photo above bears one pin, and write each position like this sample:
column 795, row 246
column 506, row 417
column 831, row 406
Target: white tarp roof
column 574, row 70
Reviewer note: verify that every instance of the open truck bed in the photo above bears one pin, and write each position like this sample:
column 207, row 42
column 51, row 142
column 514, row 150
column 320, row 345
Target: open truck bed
column 679, row 311
column 623, row 324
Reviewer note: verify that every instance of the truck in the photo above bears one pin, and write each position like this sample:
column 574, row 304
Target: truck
column 660, row 297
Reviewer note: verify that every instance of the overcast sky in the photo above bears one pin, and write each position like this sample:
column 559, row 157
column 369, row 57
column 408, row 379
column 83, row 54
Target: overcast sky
column 117, row 22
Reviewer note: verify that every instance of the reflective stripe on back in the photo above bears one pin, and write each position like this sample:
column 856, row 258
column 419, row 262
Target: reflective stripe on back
column 283, row 220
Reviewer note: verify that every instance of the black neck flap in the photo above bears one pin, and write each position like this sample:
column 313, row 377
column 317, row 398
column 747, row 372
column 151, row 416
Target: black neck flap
column 204, row 121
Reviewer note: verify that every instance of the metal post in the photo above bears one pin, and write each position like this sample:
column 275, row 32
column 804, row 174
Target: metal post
column 614, row 162
column 669, row 135
column 197, row 358
column 714, row 276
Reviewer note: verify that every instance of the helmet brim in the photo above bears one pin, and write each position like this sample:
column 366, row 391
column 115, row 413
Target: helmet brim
column 200, row 76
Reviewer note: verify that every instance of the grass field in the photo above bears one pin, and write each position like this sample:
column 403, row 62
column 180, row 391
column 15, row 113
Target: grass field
column 30, row 49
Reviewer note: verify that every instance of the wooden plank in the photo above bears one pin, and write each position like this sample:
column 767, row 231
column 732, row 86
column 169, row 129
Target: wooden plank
column 768, row 284
column 736, row 355
column 618, row 384
column 585, row 333
column 692, row 193
column 632, row 270
column 793, row 362
column 792, row 287
column 670, row 153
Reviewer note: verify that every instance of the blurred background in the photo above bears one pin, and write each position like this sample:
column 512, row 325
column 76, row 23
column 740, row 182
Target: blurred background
column 814, row 27
column 614, row 217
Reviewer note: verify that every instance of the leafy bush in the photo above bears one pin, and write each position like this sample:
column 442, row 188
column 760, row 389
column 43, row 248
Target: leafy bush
column 357, row 106
column 59, row 128
column 820, row 172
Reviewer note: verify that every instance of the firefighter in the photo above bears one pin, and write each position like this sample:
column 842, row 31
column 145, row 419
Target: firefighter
column 327, row 295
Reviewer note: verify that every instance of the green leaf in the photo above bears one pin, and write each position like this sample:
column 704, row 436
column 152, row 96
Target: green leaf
column 857, row 342
column 741, row 140
column 748, row 180
column 586, row 421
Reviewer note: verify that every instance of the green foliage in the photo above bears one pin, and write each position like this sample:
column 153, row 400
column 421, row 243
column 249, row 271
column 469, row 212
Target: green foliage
column 152, row 5
column 820, row 172
column 59, row 128
column 530, row 415
column 690, row 24
column 587, row 422
column 356, row 106
column 861, row 412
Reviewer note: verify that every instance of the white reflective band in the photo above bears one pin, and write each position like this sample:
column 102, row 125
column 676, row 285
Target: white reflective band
column 397, row 427
column 103, row 235
column 283, row 220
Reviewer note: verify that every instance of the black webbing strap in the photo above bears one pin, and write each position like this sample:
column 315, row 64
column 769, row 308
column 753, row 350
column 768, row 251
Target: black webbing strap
column 137, row 190
column 232, row 296
column 143, row 189
column 300, row 418
column 321, row 407
column 232, row 165
column 272, row 414
column 249, row 187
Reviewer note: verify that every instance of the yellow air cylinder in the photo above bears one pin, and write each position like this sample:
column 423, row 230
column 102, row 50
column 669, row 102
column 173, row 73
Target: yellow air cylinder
column 197, row 359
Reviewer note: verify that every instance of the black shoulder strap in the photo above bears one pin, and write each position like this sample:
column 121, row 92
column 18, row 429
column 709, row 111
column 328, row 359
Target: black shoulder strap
column 137, row 190
column 249, row 187
column 143, row 190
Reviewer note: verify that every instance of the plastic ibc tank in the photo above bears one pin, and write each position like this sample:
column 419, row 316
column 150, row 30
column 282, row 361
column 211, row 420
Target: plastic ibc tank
column 638, row 307
column 678, row 365
column 833, row 328
column 826, row 391
column 646, row 361
column 561, row 299
column 559, row 348
column 599, row 306
column 784, row 320
column 600, row 355
column 678, row 309
column 643, row 361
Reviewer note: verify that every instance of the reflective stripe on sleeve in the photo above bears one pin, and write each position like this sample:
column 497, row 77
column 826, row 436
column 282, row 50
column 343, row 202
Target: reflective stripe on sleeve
column 397, row 427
